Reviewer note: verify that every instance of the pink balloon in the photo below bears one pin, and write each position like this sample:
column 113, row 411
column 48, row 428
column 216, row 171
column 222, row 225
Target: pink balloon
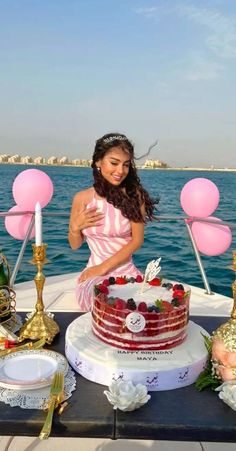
column 32, row 186
column 211, row 239
column 199, row 197
column 17, row 226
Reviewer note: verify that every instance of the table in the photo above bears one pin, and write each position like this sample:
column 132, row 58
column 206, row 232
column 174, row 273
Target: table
column 182, row 414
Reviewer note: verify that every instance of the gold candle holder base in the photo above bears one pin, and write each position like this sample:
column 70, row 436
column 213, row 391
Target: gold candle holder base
column 40, row 325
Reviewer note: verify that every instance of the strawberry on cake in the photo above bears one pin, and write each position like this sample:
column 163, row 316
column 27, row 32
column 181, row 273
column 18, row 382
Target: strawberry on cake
column 129, row 316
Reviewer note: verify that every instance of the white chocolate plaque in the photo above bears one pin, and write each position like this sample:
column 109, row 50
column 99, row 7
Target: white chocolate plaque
column 135, row 322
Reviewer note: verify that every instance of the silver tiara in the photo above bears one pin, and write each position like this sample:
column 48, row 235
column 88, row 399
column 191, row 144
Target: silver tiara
column 113, row 138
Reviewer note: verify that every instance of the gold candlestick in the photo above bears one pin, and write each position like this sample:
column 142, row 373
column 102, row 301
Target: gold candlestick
column 40, row 325
column 227, row 331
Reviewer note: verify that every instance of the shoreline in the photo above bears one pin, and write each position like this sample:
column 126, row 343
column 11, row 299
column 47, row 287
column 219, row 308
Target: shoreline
column 192, row 169
column 138, row 167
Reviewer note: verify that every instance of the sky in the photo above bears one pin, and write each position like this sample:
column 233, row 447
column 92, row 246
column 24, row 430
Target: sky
column 73, row 70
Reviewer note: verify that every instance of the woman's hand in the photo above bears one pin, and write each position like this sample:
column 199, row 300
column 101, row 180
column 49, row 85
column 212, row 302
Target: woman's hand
column 85, row 217
column 94, row 271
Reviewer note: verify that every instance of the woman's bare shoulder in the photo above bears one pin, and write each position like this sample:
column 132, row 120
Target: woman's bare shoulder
column 84, row 196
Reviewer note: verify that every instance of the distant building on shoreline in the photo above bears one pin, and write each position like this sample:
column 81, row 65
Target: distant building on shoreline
column 56, row 161
column 153, row 164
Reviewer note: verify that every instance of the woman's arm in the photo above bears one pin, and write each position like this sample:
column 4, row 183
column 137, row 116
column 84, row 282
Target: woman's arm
column 75, row 236
column 124, row 254
column 81, row 217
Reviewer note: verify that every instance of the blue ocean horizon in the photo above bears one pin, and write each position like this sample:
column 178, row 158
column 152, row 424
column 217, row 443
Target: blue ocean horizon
column 166, row 239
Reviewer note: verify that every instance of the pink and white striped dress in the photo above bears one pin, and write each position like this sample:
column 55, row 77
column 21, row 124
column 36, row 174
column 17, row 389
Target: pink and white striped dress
column 104, row 241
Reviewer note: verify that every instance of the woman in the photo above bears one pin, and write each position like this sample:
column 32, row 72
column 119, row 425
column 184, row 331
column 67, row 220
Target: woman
column 110, row 215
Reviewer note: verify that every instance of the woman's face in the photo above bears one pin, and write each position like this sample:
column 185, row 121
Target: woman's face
column 115, row 165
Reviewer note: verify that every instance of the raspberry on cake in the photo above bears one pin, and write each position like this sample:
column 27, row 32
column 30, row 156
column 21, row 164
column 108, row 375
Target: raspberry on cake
column 155, row 319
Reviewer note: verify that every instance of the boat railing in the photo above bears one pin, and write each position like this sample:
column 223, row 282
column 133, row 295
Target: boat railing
column 185, row 220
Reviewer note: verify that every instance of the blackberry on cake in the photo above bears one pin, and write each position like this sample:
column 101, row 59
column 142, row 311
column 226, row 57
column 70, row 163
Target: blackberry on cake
column 131, row 304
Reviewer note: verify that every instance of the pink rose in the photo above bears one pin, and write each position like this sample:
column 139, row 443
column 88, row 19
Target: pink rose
column 222, row 354
column 226, row 374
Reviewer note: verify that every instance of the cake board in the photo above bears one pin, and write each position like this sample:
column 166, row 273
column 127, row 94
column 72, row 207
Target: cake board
column 158, row 370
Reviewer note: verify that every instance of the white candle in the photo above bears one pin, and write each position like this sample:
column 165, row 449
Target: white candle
column 38, row 224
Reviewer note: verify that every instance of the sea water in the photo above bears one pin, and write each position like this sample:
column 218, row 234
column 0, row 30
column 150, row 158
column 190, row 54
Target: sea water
column 166, row 239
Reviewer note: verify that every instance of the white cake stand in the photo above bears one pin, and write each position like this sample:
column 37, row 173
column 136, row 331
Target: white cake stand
column 158, row 370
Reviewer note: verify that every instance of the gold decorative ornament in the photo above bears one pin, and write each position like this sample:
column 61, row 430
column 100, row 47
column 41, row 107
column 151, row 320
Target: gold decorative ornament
column 227, row 331
column 4, row 265
column 7, row 295
column 40, row 324
column 7, row 304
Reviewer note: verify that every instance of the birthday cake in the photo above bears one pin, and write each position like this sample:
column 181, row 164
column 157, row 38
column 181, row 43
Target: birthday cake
column 133, row 315
column 138, row 330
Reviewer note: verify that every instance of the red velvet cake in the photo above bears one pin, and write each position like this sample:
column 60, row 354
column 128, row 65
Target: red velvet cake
column 127, row 318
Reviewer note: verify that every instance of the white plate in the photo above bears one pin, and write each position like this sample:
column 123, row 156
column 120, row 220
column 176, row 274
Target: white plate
column 30, row 369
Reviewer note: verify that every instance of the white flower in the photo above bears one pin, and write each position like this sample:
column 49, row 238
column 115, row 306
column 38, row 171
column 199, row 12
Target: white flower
column 125, row 396
column 228, row 393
